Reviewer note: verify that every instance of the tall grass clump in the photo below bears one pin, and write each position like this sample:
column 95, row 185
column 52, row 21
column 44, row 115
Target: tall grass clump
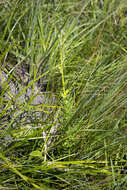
column 63, row 94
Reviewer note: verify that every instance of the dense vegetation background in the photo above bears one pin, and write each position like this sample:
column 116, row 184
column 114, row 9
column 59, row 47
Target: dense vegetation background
column 63, row 94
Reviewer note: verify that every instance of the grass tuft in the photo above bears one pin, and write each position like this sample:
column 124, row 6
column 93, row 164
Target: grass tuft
column 63, row 97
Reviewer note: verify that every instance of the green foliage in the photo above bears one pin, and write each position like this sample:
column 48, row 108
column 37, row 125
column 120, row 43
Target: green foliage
column 63, row 94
